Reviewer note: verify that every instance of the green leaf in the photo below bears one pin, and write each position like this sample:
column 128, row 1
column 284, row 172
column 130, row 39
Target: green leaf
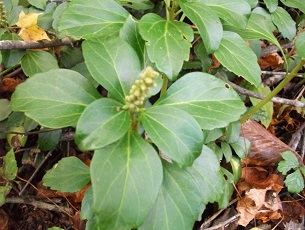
column 56, row 17
column 167, row 42
column 137, row 4
column 232, row 12
column 206, row 173
column 286, row 25
column 178, row 204
column 101, row 124
column 216, row 149
column 92, row 224
column 54, row 99
column 11, row 57
column 203, row 56
column 19, row 119
column 40, row 4
column 175, row 132
column 112, row 63
column 212, row 135
column 35, row 62
column 299, row 4
column 236, row 56
column 126, row 179
column 295, row 182
column 87, row 203
column 233, row 131
column 88, row 19
column 48, row 140
column 300, row 44
column 227, row 189
column 290, row 162
column 10, row 166
column 130, row 33
column 271, row 5
column 206, row 20
column 70, row 174
column 241, row 147
column 4, row 191
column 83, row 70
column 236, row 168
column 259, row 27
column 5, row 109
column 45, row 20
column 55, row 228
column 206, row 98
column 263, row 12
column 252, row 3
column 226, row 151
column 70, row 56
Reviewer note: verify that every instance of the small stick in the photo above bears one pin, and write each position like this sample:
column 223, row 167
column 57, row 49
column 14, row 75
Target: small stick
column 249, row 93
column 209, row 220
column 37, row 204
column 37, row 169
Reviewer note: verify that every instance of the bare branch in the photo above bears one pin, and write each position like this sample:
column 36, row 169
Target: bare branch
column 22, row 45
column 37, row 204
column 274, row 49
column 261, row 96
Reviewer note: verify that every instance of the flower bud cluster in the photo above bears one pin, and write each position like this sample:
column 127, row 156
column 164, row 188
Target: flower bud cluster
column 140, row 89
column 3, row 16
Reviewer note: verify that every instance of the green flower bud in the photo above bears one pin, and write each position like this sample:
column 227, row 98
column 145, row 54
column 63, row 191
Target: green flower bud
column 140, row 89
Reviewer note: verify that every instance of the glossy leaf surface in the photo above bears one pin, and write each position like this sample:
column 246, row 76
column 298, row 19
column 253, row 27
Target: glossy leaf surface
column 137, row 4
column 299, row 4
column 282, row 19
column 300, row 45
column 101, row 123
column 37, row 62
column 236, row 56
column 259, row 27
column 5, row 109
column 271, row 5
column 178, row 204
column 252, row 3
column 113, row 63
column 175, row 132
column 167, row 42
column 209, row 100
column 206, row 20
column 126, row 179
column 130, row 33
column 232, row 12
column 206, row 173
column 88, row 19
column 70, row 174
column 54, row 99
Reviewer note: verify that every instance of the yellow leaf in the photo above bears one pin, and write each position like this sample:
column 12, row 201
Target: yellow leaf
column 29, row 28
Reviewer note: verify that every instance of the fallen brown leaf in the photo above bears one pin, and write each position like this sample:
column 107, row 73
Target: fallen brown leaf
column 266, row 149
column 263, row 204
column 258, row 177
column 274, row 61
column 9, row 84
column 292, row 209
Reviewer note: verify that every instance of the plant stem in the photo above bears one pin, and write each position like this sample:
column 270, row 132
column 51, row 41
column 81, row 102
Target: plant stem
column 274, row 92
column 164, row 85
column 8, row 70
